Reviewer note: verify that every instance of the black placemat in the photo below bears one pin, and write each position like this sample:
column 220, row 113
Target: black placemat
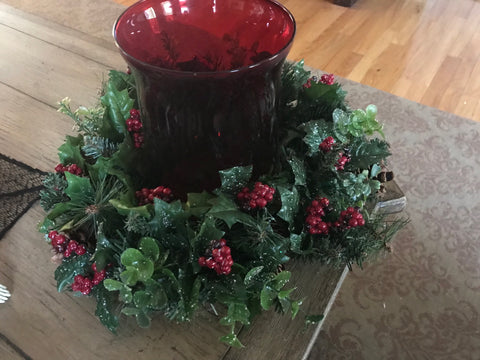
column 20, row 186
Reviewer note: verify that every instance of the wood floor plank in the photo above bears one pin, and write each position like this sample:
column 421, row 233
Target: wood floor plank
column 84, row 45
column 38, row 127
column 47, row 72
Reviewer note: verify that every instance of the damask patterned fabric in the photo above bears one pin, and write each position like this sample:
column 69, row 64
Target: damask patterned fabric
column 422, row 301
column 19, row 189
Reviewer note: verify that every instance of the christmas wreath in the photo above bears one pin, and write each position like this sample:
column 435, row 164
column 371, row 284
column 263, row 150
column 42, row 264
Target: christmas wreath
column 140, row 251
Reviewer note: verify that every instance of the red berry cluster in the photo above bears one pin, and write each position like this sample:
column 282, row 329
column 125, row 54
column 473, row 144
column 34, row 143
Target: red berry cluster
column 84, row 284
column 73, row 169
column 63, row 245
column 342, row 161
column 328, row 79
column 134, row 126
column 217, row 257
column 349, row 218
column 146, row 196
column 327, row 144
column 259, row 197
column 315, row 213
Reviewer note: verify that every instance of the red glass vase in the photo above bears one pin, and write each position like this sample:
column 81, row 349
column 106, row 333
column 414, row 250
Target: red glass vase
column 208, row 82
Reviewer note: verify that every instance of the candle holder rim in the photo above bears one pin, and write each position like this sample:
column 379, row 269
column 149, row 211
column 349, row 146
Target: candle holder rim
column 208, row 73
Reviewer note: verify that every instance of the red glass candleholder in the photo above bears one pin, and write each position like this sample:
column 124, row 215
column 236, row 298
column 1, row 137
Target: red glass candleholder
column 208, row 81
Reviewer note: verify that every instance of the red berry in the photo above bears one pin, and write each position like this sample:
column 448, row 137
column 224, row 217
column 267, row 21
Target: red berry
column 80, row 250
column 210, row 263
column 201, row 261
column 327, row 79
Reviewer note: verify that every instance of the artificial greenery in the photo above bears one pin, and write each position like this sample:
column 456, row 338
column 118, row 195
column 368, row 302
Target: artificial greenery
column 150, row 252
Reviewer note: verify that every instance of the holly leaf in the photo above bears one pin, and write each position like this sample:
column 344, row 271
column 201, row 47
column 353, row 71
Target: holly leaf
column 103, row 251
column 226, row 210
column 281, row 280
column 118, row 104
column 234, row 179
column 232, row 340
column 198, row 203
column 298, row 169
column 119, row 79
column 290, row 200
column 79, row 189
column 106, row 305
column 313, row 319
column 167, row 217
column 125, row 209
column 315, row 132
column 238, row 312
column 251, row 275
column 267, row 297
column 70, row 151
column 69, row 268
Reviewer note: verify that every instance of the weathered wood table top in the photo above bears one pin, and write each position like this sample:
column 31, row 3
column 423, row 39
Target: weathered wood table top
column 41, row 63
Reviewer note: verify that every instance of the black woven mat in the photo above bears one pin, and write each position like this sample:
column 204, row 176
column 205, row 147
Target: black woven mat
column 19, row 189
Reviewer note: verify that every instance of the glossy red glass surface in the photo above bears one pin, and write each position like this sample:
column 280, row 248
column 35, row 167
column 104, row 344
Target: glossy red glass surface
column 208, row 77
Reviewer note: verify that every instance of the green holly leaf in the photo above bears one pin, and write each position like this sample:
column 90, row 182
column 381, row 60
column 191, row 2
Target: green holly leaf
column 290, row 201
column 149, row 247
column 69, row 268
column 120, row 80
column 299, row 172
column 281, row 280
column 79, row 189
column 239, row 312
column 168, row 217
column 198, row 203
column 106, row 305
column 295, row 307
column 313, row 319
column 296, row 241
column 226, row 210
column 125, row 209
column 284, row 294
column 251, row 275
column 118, row 104
column 103, row 251
column 267, row 297
column 208, row 231
column 236, row 178
column 315, row 132
column 70, row 151
column 232, row 340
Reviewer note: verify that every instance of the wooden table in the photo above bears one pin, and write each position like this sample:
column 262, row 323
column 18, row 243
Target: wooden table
column 41, row 63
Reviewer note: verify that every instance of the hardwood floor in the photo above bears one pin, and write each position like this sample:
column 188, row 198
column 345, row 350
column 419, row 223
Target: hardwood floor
column 427, row 51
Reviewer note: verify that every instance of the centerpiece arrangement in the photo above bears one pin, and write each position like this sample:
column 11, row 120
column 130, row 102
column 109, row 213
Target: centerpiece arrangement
column 207, row 167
